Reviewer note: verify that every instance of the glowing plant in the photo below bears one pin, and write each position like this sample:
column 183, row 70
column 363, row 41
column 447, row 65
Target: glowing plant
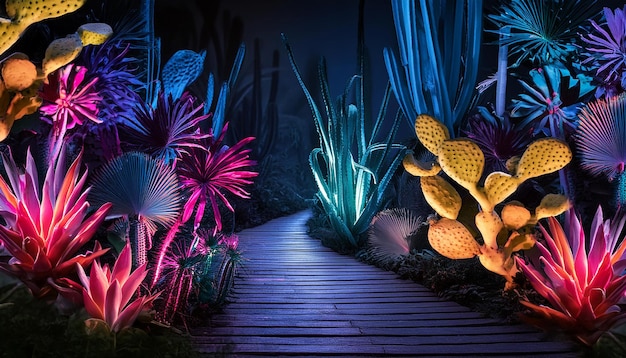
column 22, row 16
column 391, row 231
column 543, row 31
column 69, row 102
column 211, row 169
column 167, row 131
column 498, row 138
column 351, row 170
column 552, row 102
column 601, row 139
column 584, row 283
column 606, row 50
column 110, row 295
column 45, row 228
column 439, row 44
column 143, row 190
column 462, row 161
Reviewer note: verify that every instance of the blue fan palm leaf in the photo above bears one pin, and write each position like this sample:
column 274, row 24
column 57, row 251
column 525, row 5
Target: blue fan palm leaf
column 601, row 136
column 138, row 185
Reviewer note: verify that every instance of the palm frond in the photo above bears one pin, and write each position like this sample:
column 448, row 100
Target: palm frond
column 138, row 185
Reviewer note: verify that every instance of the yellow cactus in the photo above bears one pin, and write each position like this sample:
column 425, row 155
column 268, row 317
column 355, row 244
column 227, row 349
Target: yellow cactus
column 463, row 161
column 419, row 169
column 60, row 52
column 23, row 13
column 441, row 196
column 94, row 33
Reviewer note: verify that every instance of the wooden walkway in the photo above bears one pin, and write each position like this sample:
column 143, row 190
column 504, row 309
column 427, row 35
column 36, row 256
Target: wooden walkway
column 295, row 297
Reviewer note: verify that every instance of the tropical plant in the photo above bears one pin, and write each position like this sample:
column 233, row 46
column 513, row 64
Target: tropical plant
column 110, row 294
column 504, row 233
column 69, row 101
column 498, row 138
column 164, row 132
column 45, row 227
column 211, row 169
column 391, row 233
column 439, row 52
column 552, row 101
column 143, row 190
column 351, row 185
column 581, row 278
column 606, row 52
column 543, row 32
column 601, row 139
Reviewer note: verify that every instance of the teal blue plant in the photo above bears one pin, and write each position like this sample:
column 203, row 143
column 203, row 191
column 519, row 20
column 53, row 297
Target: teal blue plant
column 439, row 43
column 552, row 101
column 543, row 31
column 351, row 170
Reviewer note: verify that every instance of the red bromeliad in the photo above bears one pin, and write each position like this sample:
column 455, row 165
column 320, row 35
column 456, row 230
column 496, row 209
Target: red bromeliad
column 46, row 228
column 108, row 293
column 584, row 287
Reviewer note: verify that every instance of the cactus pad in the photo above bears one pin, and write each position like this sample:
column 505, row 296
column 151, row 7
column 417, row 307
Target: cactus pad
column 181, row 70
column 23, row 13
column 61, row 52
column 94, row 33
column 518, row 242
column 543, row 156
column 551, row 205
column 515, row 215
column 419, row 169
column 462, row 160
column 18, row 73
column 430, row 132
column 499, row 186
column 452, row 239
column 441, row 196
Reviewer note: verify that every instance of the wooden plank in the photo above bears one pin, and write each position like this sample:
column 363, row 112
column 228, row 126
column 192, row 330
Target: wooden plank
column 297, row 297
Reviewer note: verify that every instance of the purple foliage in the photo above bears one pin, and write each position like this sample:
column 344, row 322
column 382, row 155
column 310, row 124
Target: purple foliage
column 167, row 131
column 499, row 140
column 606, row 50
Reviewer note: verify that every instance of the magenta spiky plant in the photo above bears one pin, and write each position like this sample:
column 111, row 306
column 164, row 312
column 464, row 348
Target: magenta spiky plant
column 211, row 170
column 601, row 139
column 581, row 279
column 69, row 100
column 47, row 226
column 167, row 131
column 606, row 50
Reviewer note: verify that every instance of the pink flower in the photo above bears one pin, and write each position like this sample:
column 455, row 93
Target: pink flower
column 584, row 287
column 69, row 102
column 108, row 294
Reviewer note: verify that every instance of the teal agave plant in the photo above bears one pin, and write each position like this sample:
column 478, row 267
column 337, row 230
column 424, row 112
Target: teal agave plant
column 351, row 170
column 439, row 51
column 143, row 190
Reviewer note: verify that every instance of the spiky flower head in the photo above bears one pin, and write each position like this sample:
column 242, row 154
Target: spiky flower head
column 69, row 100
column 167, row 131
column 606, row 51
column 212, row 170
column 543, row 31
column 601, row 136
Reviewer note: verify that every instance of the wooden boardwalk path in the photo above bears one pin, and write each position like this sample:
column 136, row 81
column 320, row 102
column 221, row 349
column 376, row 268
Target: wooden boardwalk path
column 295, row 297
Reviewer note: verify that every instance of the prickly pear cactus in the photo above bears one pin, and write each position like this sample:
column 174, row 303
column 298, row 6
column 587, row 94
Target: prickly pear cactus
column 23, row 13
column 463, row 162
